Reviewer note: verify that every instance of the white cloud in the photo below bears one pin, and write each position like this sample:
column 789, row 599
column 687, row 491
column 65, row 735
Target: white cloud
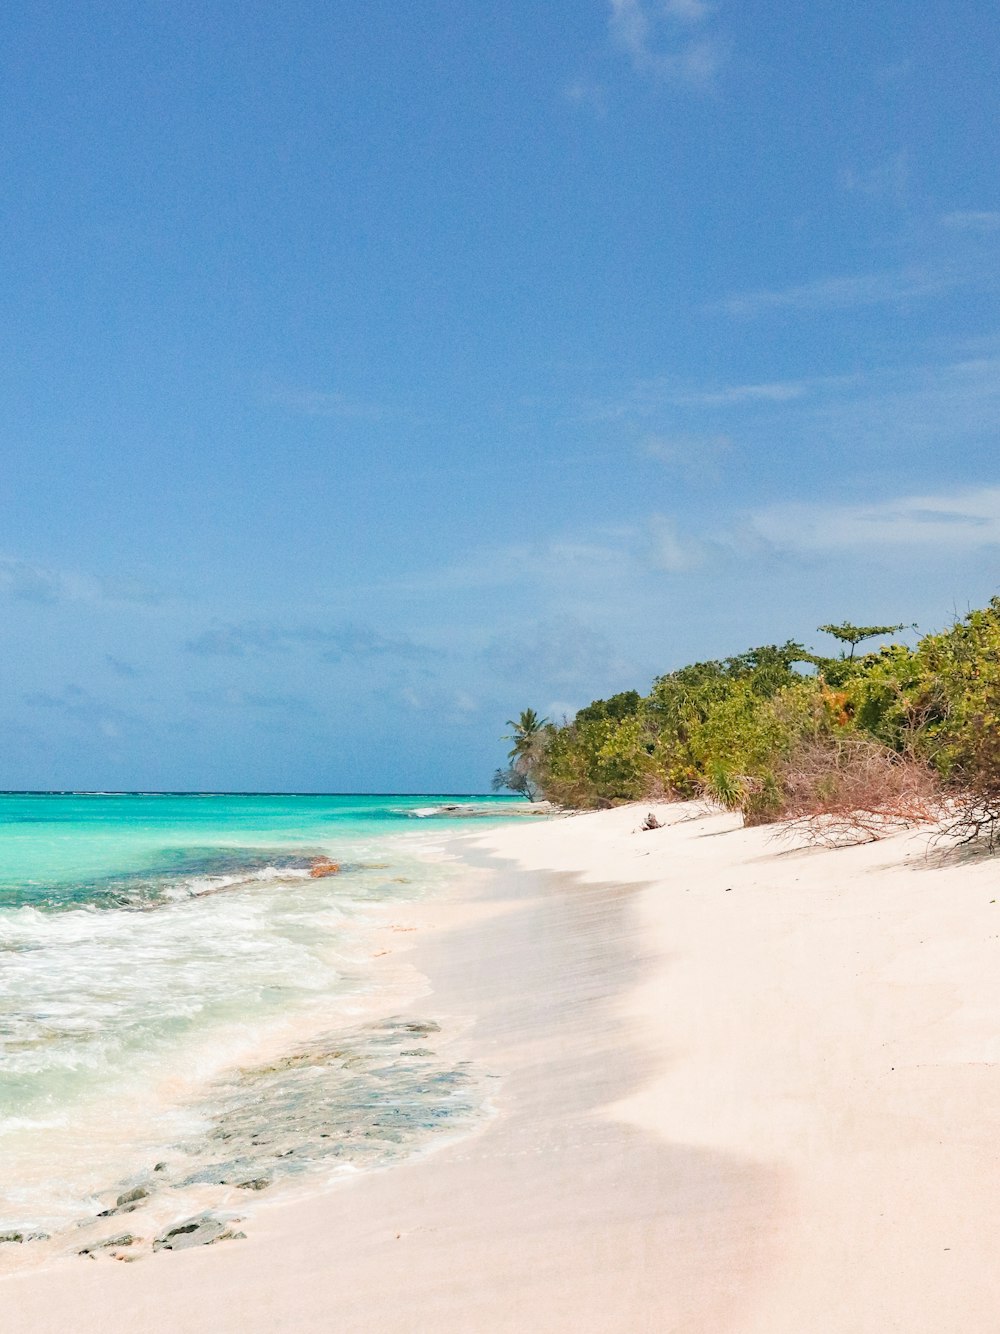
column 963, row 520
column 29, row 581
column 637, row 28
column 844, row 293
column 668, row 551
column 649, row 398
column 779, row 391
column 557, row 562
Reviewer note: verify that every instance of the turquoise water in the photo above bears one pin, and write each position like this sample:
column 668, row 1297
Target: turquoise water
column 61, row 850
column 152, row 946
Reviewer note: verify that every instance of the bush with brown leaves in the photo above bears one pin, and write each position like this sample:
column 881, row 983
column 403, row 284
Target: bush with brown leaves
column 849, row 789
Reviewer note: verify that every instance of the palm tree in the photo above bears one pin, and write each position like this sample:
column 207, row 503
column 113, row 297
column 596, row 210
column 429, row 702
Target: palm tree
column 524, row 736
column 527, row 734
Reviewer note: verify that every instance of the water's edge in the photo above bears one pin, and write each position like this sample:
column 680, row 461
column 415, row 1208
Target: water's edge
column 352, row 1077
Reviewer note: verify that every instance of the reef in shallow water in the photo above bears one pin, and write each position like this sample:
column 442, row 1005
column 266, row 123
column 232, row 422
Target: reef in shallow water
column 359, row 1099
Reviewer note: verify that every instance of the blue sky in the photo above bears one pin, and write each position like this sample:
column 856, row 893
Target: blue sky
column 372, row 371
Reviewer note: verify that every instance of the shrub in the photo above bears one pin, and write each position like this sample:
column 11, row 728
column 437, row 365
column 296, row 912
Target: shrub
column 851, row 747
column 958, row 693
column 849, row 788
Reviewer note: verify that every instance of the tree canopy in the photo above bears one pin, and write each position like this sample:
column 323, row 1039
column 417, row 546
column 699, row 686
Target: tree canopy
column 854, row 635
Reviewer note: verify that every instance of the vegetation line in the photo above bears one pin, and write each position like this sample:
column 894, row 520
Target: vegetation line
column 840, row 748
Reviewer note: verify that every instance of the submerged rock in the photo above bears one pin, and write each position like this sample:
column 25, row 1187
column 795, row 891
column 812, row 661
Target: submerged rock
column 202, row 1230
column 110, row 1243
column 362, row 1096
column 323, row 866
column 126, row 1203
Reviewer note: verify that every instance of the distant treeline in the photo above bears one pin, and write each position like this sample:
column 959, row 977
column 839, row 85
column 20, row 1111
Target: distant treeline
column 850, row 742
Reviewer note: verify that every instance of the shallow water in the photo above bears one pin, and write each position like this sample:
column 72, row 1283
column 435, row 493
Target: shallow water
column 150, row 946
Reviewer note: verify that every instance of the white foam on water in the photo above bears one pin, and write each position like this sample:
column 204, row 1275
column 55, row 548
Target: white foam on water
column 113, row 1021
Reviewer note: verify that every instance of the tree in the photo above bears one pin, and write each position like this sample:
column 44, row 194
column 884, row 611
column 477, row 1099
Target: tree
column 514, row 781
column 527, row 728
column 856, row 634
column 529, row 735
column 622, row 705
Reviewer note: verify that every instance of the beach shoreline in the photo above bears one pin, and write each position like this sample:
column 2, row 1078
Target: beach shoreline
column 737, row 1087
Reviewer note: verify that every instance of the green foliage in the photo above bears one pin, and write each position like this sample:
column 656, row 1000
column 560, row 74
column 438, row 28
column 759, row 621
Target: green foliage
column 955, row 695
column 879, row 690
column 623, row 705
column 854, row 635
column 755, row 730
column 529, row 737
column 527, row 728
column 597, row 761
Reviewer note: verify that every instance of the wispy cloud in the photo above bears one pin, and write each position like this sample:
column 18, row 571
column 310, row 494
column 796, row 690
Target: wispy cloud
column 975, row 220
column 31, row 581
column 584, row 92
column 893, row 71
column 951, row 406
column 231, row 697
column 965, row 520
column 122, row 668
column 574, row 572
column 80, row 706
column 696, row 457
column 670, row 551
column 776, row 391
column 561, row 652
column 445, row 703
column 662, row 39
column 889, row 179
column 845, row 292
column 563, row 562
column 649, row 398
column 335, row 644
column 320, row 403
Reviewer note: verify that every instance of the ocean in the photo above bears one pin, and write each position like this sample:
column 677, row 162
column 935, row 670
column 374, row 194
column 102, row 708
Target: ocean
column 186, row 1003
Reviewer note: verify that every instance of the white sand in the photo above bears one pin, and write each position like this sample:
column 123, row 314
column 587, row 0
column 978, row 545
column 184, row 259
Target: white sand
column 744, row 1089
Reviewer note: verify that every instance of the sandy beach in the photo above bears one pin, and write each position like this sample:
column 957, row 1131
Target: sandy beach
column 737, row 1087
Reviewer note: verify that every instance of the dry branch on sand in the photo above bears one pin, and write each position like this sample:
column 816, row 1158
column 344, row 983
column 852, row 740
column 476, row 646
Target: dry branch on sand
column 853, row 790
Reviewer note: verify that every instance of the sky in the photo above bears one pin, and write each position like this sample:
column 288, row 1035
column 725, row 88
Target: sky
column 371, row 372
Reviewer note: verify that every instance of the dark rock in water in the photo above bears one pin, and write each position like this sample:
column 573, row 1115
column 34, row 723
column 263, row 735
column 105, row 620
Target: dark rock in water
column 429, row 1026
column 126, row 1203
column 364, row 1096
column 132, row 1197
column 202, row 1230
column 110, row 1243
